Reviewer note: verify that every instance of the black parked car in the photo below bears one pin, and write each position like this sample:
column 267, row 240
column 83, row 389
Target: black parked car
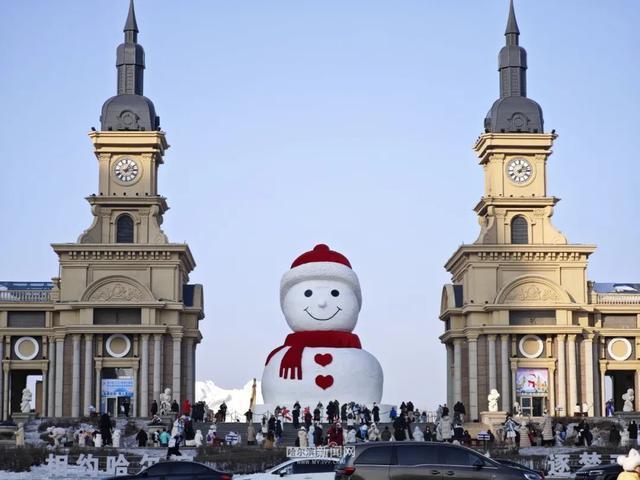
column 607, row 471
column 511, row 463
column 423, row 460
column 178, row 471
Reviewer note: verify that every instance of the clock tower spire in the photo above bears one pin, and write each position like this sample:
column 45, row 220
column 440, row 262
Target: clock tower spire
column 129, row 148
column 513, row 152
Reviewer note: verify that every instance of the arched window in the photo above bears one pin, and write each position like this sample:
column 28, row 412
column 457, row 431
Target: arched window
column 519, row 230
column 124, row 229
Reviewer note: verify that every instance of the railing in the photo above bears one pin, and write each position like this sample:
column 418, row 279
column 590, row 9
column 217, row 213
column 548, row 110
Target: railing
column 617, row 298
column 33, row 296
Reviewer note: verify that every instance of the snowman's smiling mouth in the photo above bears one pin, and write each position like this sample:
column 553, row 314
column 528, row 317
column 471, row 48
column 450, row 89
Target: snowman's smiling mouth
column 338, row 310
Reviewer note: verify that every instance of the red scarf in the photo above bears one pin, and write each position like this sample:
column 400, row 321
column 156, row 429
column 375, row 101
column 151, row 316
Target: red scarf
column 291, row 364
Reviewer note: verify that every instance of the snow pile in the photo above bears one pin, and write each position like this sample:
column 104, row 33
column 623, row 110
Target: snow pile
column 237, row 400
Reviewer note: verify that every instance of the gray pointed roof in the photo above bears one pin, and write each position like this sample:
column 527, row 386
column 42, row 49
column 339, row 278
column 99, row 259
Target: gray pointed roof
column 131, row 25
column 513, row 112
column 130, row 109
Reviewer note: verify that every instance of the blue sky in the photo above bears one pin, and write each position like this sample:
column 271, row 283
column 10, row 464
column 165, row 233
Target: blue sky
column 293, row 123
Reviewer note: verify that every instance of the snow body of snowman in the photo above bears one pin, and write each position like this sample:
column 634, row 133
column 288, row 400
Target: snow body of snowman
column 322, row 360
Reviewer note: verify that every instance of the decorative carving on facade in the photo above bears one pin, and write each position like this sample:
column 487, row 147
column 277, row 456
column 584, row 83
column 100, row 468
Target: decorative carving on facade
column 532, row 292
column 117, row 292
column 496, row 256
column 118, row 255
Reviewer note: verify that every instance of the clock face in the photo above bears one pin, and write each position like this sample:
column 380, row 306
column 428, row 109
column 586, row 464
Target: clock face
column 519, row 170
column 126, row 170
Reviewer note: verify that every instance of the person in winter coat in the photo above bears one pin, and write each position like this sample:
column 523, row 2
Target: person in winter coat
column 335, row 435
column 295, row 415
column 614, row 436
column 175, row 408
column 164, row 438
column 459, row 412
column 633, row 433
column 142, row 438
column 186, row 407
column 251, row 434
column 174, row 447
column 376, row 413
column 105, row 428
column 307, row 419
column 399, row 427
column 271, row 424
column 385, row 436
column 154, row 408
column 318, row 439
column 303, row 441
column 547, row 431
column 310, row 436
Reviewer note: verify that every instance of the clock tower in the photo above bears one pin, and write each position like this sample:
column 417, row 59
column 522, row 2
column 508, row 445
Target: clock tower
column 519, row 294
column 129, row 148
column 126, row 318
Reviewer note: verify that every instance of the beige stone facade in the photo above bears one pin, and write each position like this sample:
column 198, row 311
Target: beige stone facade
column 520, row 314
column 121, row 313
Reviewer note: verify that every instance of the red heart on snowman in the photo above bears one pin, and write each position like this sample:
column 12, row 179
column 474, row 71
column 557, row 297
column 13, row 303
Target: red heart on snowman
column 324, row 381
column 323, row 359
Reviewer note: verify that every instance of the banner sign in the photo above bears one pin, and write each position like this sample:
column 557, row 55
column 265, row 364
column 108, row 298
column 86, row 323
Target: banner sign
column 319, row 452
column 117, row 387
column 532, row 381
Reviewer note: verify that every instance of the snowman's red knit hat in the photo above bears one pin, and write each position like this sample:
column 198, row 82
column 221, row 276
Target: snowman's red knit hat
column 321, row 263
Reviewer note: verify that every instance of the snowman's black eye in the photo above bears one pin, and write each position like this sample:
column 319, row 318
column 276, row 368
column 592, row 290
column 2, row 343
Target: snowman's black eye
column 308, row 293
column 335, row 293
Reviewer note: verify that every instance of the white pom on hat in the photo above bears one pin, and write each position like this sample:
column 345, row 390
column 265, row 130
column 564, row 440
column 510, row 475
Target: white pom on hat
column 629, row 462
column 321, row 263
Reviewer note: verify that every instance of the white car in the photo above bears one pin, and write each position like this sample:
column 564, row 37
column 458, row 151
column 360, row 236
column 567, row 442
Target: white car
column 298, row 469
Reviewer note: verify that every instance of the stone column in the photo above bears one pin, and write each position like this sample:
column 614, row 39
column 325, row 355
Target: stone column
column 45, row 389
column 51, row 387
column 587, row 344
column 98, row 387
column 2, row 417
column 189, row 368
column 571, row 367
column 133, row 406
column 193, row 372
column 562, row 369
column 457, row 371
column 157, row 366
column 505, row 395
column 177, row 367
column 5, row 392
column 59, row 375
column 473, row 378
column 88, row 371
column 144, row 376
column 491, row 342
column 449, row 348
column 552, row 391
column 75, row 377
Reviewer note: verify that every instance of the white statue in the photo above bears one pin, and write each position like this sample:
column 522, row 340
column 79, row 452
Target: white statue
column 98, row 440
column 493, row 400
column 116, row 438
column 25, row 404
column 198, row 438
column 20, row 435
column 165, row 402
column 628, row 400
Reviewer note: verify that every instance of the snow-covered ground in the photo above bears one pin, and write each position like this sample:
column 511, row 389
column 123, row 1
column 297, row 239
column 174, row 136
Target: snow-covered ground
column 237, row 399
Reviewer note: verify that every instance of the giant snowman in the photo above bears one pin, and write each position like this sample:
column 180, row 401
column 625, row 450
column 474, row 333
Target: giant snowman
column 322, row 360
